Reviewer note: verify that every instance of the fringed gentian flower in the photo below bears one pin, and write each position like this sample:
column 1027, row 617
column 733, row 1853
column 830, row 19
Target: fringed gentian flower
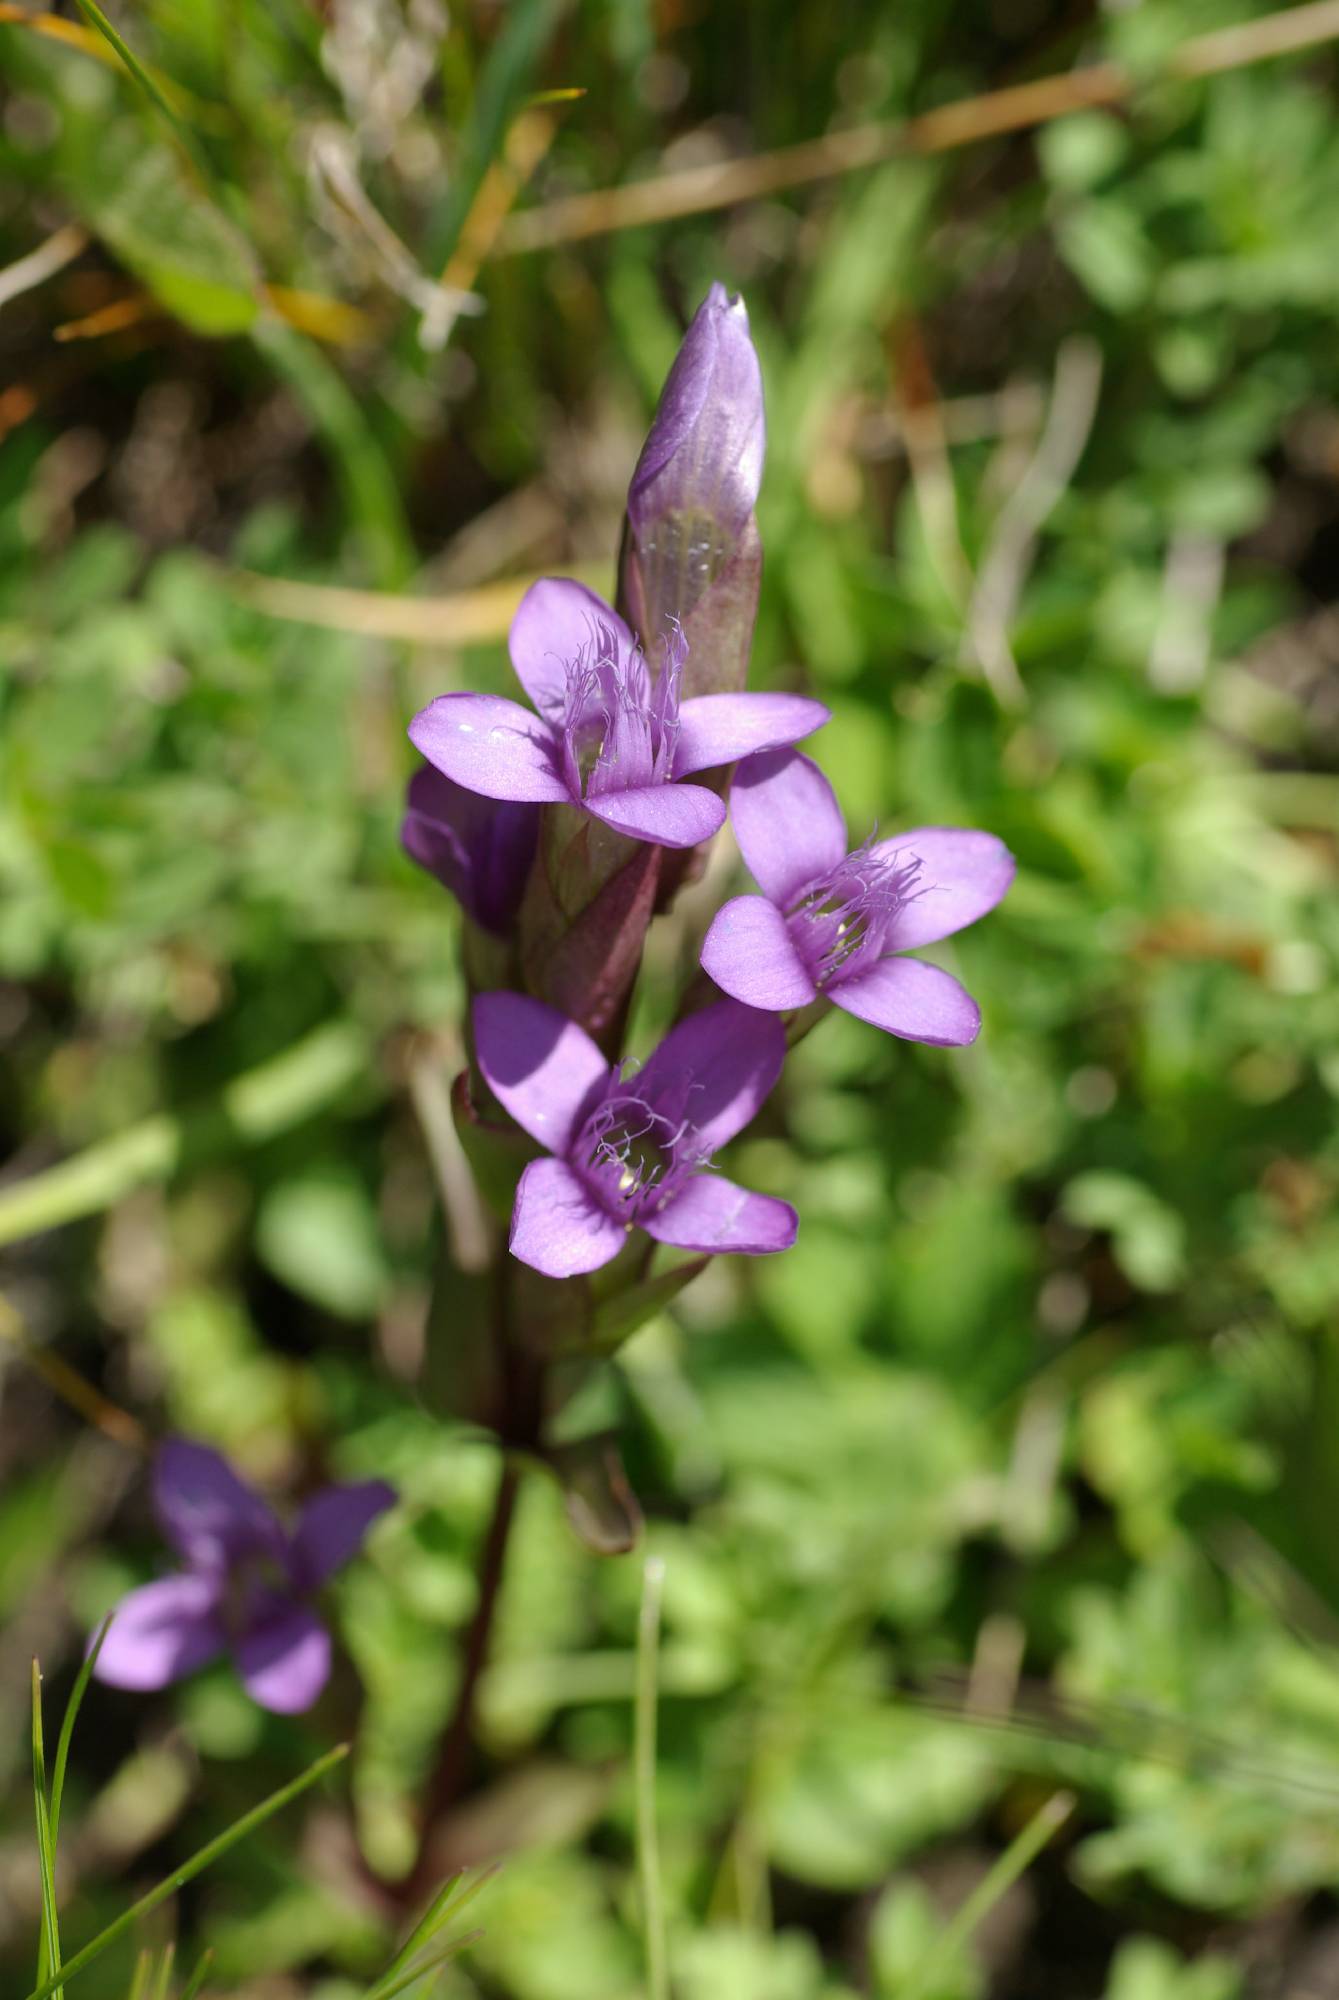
column 478, row 848
column 609, row 736
column 831, row 923
column 245, row 1586
column 628, row 1151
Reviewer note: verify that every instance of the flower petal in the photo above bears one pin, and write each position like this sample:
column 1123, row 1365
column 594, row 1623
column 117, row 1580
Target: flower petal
column 331, row 1528
column 715, row 1069
column 664, row 815
column 544, row 1068
column 749, row 954
column 713, row 1213
column 208, row 1514
column 285, row 1662
column 557, row 1227
column 721, row 728
column 478, row 848
column 963, row 874
column 556, row 622
column 911, row 999
column 161, row 1632
column 491, row 746
column 787, row 822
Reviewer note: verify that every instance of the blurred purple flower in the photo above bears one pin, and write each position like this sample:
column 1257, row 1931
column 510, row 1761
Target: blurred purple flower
column 627, row 1151
column 478, row 848
column 609, row 736
column 703, row 454
column 830, row 923
column 245, row 1582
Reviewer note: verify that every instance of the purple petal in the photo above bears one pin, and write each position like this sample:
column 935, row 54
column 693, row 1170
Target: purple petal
column 544, row 1068
column 207, row 1513
column 749, row 954
column 963, row 874
column 478, row 848
column 664, row 815
column 491, row 746
column 285, row 1662
column 787, row 822
column 704, row 452
column 715, row 1069
column 556, row 622
column 557, row 1227
column 161, row 1632
column 911, row 999
column 720, row 728
column 331, row 1528
column 713, row 1214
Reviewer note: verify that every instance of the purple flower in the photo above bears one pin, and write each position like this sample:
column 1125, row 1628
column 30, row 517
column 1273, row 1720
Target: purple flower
column 244, row 1586
column 478, row 848
column 703, row 454
column 609, row 736
column 628, row 1150
column 691, row 552
column 831, row 923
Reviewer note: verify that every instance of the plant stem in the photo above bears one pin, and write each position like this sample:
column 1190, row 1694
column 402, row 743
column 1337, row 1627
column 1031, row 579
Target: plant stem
column 453, row 1756
column 648, row 1839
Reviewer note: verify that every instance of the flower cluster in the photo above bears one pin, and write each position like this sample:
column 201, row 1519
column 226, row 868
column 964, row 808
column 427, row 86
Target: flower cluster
column 556, row 827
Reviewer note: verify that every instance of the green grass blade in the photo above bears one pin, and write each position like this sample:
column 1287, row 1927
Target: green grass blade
column 48, row 1955
column 67, row 1727
column 199, row 1976
column 1016, row 1859
column 139, row 1978
column 644, row 1752
column 181, row 134
column 161, row 1992
column 500, row 90
column 370, row 491
column 190, row 1869
column 414, row 1973
column 253, row 1107
column 445, row 1904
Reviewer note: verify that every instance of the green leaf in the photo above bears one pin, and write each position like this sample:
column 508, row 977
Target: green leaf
column 319, row 1235
column 160, row 225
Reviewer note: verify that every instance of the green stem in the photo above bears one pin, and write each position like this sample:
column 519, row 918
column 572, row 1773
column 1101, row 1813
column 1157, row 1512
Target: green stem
column 648, row 1838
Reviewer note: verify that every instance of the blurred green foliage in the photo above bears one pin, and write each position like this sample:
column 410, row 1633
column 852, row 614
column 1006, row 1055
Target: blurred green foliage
column 1019, row 1471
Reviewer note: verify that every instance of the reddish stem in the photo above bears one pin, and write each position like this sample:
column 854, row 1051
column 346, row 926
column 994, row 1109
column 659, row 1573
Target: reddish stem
column 453, row 1758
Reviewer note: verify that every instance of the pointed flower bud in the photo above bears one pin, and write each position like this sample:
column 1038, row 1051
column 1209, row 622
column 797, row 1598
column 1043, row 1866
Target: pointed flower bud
column 691, row 553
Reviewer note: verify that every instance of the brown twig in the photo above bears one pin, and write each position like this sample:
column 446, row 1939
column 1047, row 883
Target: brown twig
column 72, row 1388
column 698, row 190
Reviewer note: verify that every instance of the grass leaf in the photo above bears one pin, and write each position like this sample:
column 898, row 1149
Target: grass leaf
column 190, row 1869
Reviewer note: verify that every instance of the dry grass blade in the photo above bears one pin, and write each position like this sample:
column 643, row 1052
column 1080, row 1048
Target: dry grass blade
column 698, row 190
column 60, row 249
column 1069, row 420
column 468, row 617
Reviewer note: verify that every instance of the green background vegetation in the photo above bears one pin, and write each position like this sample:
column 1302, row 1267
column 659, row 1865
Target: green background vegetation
column 1018, row 1474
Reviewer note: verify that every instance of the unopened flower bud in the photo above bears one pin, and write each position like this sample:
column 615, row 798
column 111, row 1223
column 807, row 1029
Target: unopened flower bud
column 691, row 554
